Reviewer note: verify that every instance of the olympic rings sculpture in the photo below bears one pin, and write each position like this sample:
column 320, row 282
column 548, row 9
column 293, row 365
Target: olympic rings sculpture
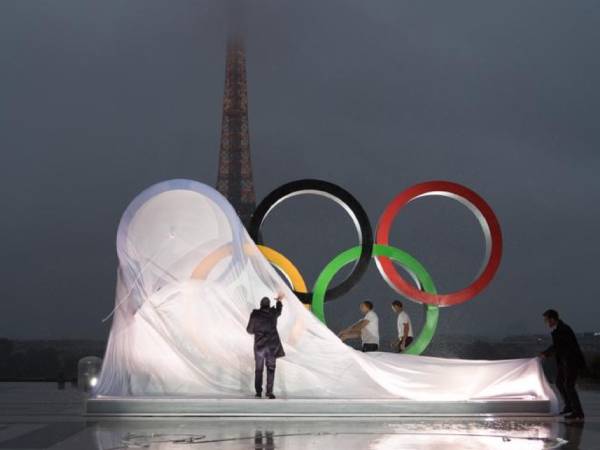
column 384, row 254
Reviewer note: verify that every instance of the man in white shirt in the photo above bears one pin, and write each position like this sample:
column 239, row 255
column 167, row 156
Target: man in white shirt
column 367, row 329
column 405, row 331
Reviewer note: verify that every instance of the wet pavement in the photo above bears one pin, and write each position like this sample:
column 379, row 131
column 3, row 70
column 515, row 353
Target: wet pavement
column 38, row 416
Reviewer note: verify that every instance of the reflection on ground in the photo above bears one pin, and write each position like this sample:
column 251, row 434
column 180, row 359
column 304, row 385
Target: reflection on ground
column 307, row 434
column 38, row 416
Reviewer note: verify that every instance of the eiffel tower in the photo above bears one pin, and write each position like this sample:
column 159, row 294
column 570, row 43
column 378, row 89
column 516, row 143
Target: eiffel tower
column 234, row 180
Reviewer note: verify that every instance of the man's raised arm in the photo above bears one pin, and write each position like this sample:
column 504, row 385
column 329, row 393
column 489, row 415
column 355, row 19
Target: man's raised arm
column 279, row 305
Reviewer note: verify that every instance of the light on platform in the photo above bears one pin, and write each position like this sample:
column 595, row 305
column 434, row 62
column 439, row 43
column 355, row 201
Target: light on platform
column 88, row 371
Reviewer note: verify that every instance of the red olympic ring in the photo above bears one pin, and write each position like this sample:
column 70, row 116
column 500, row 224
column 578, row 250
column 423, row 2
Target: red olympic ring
column 489, row 224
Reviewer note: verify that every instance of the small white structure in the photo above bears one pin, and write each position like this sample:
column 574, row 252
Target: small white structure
column 88, row 372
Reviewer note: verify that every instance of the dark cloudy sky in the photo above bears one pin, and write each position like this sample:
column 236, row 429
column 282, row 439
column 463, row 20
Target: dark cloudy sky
column 98, row 100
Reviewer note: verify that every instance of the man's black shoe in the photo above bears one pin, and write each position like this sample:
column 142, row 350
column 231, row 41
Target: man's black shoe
column 575, row 417
column 271, row 396
column 566, row 411
column 258, row 395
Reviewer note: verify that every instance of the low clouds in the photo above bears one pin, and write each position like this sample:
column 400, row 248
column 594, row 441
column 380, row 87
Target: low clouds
column 101, row 100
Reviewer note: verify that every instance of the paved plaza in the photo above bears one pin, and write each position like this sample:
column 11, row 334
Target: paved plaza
column 39, row 416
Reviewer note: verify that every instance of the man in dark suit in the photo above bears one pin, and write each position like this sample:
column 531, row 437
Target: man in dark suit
column 569, row 360
column 267, row 345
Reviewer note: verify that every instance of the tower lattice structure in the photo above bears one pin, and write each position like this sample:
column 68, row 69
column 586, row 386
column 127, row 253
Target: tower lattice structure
column 234, row 180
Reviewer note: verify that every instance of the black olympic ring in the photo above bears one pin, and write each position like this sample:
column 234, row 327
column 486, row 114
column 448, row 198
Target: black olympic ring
column 340, row 196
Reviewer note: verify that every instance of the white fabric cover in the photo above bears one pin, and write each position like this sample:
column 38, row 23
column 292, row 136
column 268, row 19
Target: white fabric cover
column 175, row 335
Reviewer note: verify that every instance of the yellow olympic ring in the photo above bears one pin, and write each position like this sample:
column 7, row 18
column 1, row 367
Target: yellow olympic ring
column 283, row 264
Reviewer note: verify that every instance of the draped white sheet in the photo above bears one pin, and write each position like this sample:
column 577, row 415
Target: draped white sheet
column 188, row 278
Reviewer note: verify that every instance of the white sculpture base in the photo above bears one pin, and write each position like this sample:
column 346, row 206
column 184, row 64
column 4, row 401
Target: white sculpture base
column 235, row 407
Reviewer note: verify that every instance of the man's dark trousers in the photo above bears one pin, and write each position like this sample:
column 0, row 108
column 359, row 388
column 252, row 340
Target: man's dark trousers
column 370, row 347
column 565, row 383
column 407, row 342
column 262, row 358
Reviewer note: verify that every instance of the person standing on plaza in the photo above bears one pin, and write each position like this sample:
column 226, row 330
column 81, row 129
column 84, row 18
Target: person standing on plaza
column 267, row 345
column 366, row 328
column 404, row 325
column 569, row 361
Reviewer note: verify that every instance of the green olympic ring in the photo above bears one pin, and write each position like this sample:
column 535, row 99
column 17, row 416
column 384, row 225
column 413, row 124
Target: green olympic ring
column 407, row 262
